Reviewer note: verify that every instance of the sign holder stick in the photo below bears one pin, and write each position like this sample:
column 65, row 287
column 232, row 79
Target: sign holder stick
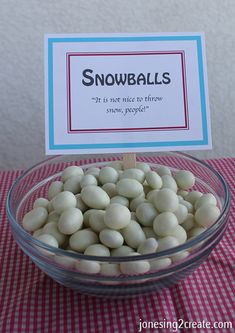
column 129, row 160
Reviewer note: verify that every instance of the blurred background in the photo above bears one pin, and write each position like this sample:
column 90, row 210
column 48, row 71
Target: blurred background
column 22, row 27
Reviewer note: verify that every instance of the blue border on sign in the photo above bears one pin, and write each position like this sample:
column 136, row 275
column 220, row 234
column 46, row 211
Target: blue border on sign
column 52, row 145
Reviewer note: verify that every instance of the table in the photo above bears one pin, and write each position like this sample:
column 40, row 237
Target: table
column 30, row 301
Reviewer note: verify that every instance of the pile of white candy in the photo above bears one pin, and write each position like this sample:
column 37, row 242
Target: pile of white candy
column 111, row 212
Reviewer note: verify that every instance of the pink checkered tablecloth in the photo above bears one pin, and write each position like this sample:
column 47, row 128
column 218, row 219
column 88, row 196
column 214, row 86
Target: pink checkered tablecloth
column 30, row 301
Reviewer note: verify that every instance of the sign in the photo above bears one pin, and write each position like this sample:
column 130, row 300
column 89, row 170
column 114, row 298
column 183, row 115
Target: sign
column 122, row 93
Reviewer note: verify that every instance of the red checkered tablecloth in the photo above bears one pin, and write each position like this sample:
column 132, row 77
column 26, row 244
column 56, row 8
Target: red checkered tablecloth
column 30, row 301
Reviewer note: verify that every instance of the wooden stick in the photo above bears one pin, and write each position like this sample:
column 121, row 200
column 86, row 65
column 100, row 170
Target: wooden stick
column 129, row 160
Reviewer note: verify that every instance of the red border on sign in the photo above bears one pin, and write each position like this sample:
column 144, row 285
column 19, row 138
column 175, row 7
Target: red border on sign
column 103, row 130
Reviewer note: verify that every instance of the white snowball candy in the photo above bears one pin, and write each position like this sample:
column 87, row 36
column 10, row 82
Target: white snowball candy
column 93, row 171
column 154, row 180
column 169, row 182
column 71, row 171
column 41, row 202
column 35, row 219
column 165, row 223
column 150, row 245
column 180, row 234
column 133, row 173
column 50, row 207
column 185, row 179
column 55, row 188
column 117, row 165
column 37, row 232
column 160, row 263
column 189, row 222
column 97, row 250
column 87, row 266
column 51, row 228
column 88, row 180
column 206, row 215
column 134, row 203
column 151, row 195
column 133, row 229
column 183, row 193
column 49, row 240
column 117, row 216
column 120, row 200
column 205, row 199
column 110, row 189
column 188, row 205
column 64, row 261
column 134, row 267
column 149, row 232
column 95, row 197
column 180, row 256
column 73, row 185
column 108, row 175
column 96, row 220
column 109, row 269
column 166, row 243
column 123, row 250
column 146, row 213
column 80, row 203
column 53, row 217
column 111, row 238
column 163, row 170
column 166, row 200
column 86, row 216
column 81, row 239
column 143, row 166
column 195, row 231
column 70, row 221
column 129, row 188
column 193, row 196
column 181, row 213
column 63, row 201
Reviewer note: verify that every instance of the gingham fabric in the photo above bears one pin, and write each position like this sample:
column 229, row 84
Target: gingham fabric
column 30, row 301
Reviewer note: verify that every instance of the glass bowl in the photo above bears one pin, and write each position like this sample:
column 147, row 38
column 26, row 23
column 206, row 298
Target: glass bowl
column 59, row 264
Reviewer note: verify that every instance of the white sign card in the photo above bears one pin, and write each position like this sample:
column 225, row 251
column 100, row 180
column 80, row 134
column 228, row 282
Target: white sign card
column 121, row 93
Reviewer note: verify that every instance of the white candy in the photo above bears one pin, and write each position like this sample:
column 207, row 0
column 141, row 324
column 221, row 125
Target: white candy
column 188, row 223
column 150, row 245
column 160, row 263
column 70, row 172
column 165, row 200
column 183, row 193
column 93, row 171
column 205, row 199
column 133, row 228
column 184, row 179
column 169, row 182
column 163, row 170
column 120, row 200
column 188, row 205
column 50, row 207
column 151, row 195
column 195, row 232
column 134, row 203
column 51, row 228
column 55, row 188
column 154, row 180
column 136, row 174
column 143, row 166
column 110, row 189
column 80, row 203
column 193, row 196
column 146, row 213
column 63, row 201
column 41, row 202
column 73, row 185
column 96, row 220
column 70, row 221
column 180, row 234
column 88, row 180
column 123, row 250
column 129, row 188
column 49, row 240
column 181, row 213
column 117, row 216
column 37, row 232
column 109, row 269
column 35, row 219
column 165, row 224
column 166, row 243
column 53, row 217
column 117, row 165
column 180, row 256
column 134, row 267
column 86, row 216
column 95, row 197
column 97, row 250
column 111, row 238
column 81, row 239
column 206, row 215
column 87, row 266
column 66, row 262
column 149, row 232
column 108, row 175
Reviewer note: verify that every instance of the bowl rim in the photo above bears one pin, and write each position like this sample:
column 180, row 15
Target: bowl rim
column 116, row 259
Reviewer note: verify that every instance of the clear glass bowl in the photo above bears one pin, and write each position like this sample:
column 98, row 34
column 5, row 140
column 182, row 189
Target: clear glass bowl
column 34, row 183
